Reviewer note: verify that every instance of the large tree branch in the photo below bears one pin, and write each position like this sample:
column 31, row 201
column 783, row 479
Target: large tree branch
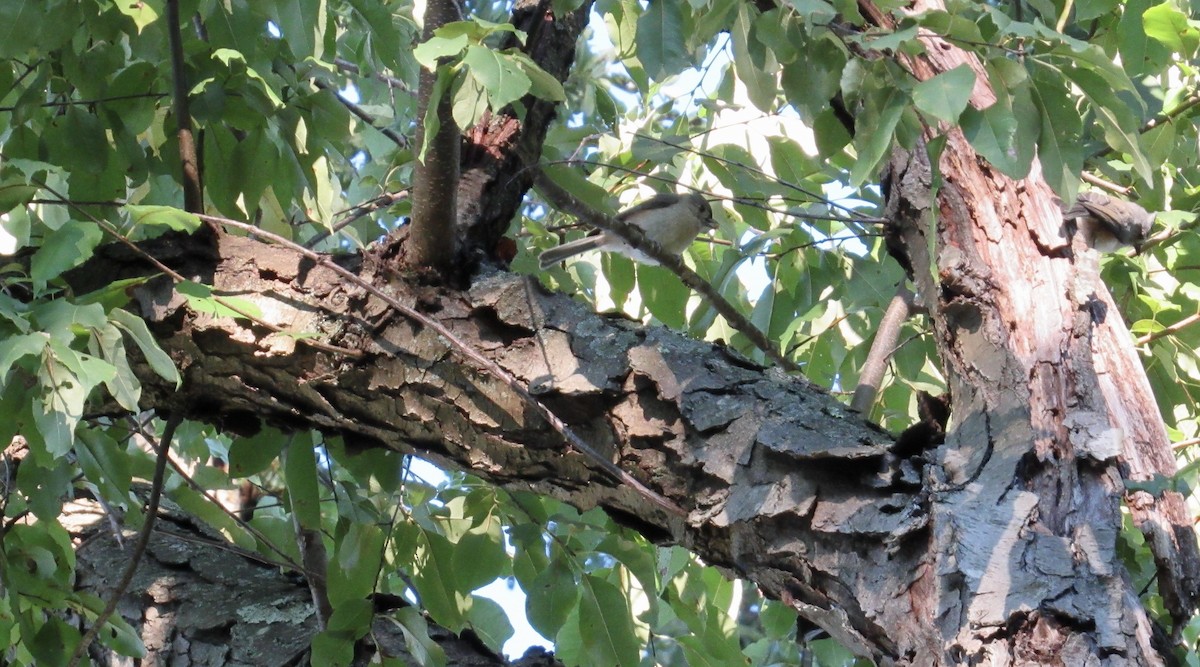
column 782, row 483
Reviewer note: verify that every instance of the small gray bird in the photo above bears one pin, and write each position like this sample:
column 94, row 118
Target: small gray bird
column 671, row 221
column 1113, row 223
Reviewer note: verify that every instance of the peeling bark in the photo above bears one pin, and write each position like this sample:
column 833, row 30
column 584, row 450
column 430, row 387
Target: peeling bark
column 784, row 485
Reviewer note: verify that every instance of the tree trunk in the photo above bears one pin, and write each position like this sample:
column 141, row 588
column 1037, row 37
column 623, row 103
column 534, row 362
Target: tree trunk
column 1025, row 495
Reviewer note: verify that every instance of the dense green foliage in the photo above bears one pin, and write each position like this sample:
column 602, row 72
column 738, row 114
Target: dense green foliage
column 86, row 116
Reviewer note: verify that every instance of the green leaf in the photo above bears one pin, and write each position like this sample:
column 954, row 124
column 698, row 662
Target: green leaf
column 301, row 25
column 1087, row 10
column 105, row 464
column 660, row 39
column 252, row 455
column 490, row 623
column 1114, row 115
column 300, row 472
column 354, row 568
column 16, row 347
column 759, row 77
column 810, row 82
column 470, row 102
column 1059, row 147
column 64, row 248
column 236, row 62
column 123, row 385
column 15, row 312
column 202, row 299
column 332, row 649
column 664, row 294
column 202, row 507
column 551, row 598
column 542, row 83
column 166, row 217
column 479, row 558
column 143, row 12
column 436, row 583
column 499, row 74
column 65, row 319
column 14, row 193
column 1172, row 28
column 57, row 416
column 882, row 115
column 416, row 637
column 431, row 50
column 477, row 30
column 777, row 618
column 136, row 328
column 945, row 96
column 605, row 629
column 352, row 618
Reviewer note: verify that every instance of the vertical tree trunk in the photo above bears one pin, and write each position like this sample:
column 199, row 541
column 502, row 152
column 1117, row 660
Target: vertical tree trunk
column 1050, row 408
column 1022, row 561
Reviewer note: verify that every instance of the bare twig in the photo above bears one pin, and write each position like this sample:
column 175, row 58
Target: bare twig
column 365, row 117
column 391, row 81
column 745, row 201
column 357, row 212
column 882, row 348
column 98, row 100
column 811, row 196
column 1169, row 330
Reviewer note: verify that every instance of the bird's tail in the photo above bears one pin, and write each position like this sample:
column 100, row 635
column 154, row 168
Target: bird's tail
column 554, row 255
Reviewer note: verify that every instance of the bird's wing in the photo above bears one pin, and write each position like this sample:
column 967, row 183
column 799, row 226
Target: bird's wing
column 1088, row 203
column 657, row 201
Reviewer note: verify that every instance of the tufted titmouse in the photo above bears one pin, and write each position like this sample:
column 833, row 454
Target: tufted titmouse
column 671, row 221
column 1112, row 223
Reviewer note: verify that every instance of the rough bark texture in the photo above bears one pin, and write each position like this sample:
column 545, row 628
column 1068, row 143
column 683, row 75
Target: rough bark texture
column 500, row 151
column 197, row 600
column 1052, row 413
column 784, row 484
column 435, row 175
column 1025, row 511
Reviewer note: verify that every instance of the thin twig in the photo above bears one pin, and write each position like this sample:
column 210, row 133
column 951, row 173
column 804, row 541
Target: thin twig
column 746, row 201
column 466, row 350
column 285, row 560
column 391, row 81
column 98, row 100
column 1167, row 331
column 139, row 549
column 363, row 115
column 813, row 196
column 357, row 212
column 1185, row 105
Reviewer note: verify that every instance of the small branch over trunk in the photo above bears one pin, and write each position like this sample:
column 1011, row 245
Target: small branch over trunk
column 430, row 242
